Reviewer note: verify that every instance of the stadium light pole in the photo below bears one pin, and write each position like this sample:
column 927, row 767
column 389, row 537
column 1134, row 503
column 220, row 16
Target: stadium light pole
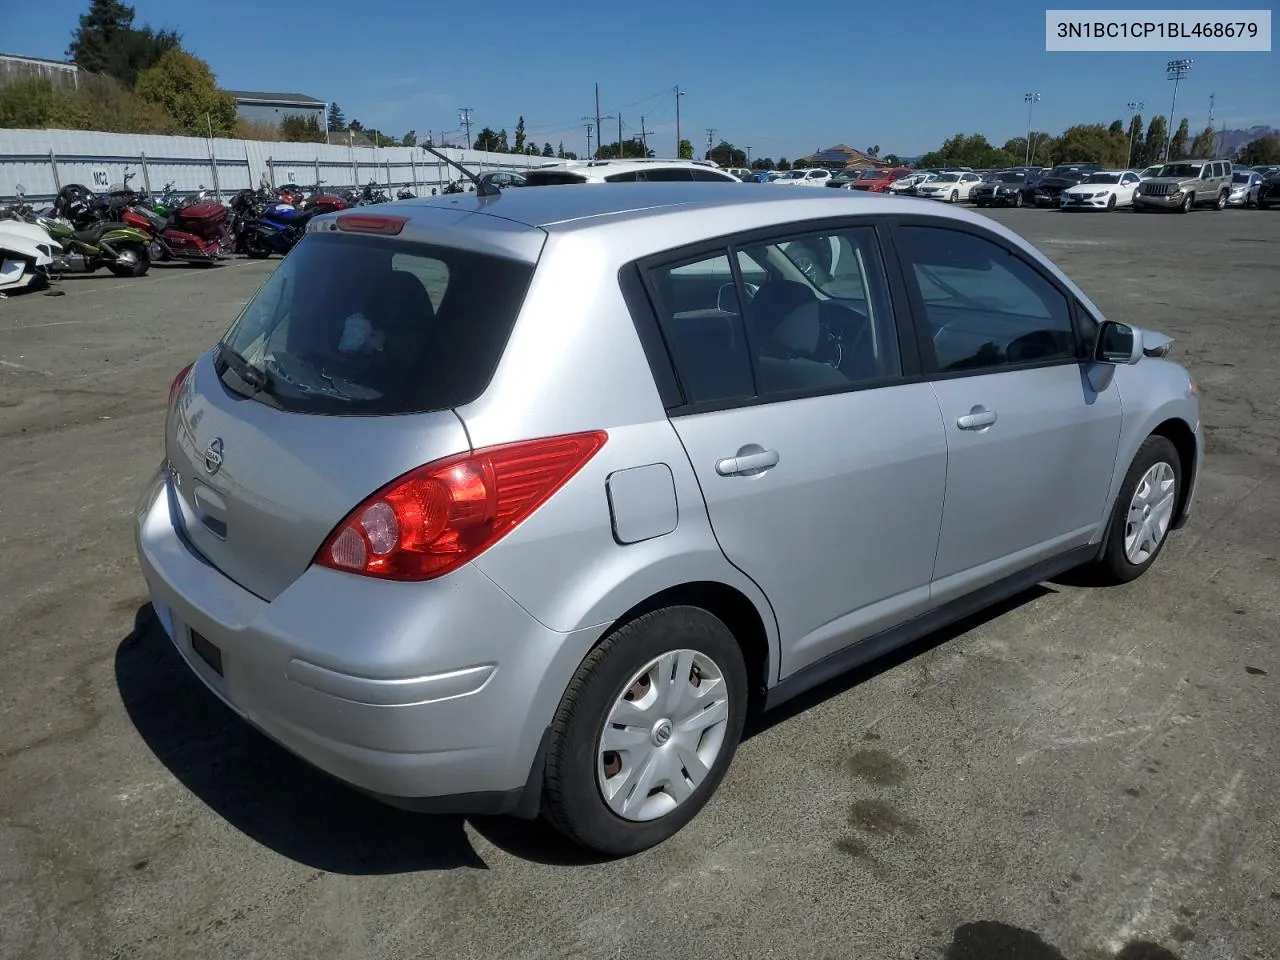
column 1030, row 99
column 1174, row 70
column 1134, row 106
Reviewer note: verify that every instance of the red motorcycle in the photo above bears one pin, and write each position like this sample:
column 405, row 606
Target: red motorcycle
column 196, row 231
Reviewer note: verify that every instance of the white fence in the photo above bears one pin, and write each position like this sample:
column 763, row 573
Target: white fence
column 44, row 161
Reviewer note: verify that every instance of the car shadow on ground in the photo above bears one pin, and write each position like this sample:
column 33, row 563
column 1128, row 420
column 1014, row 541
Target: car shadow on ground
column 301, row 813
column 990, row 940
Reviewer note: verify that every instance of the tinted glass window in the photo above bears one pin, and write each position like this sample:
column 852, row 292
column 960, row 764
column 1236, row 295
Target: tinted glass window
column 538, row 178
column 628, row 177
column 666, row 173
column 701, row 173
column 365, row 325
column 702, row 321
column 822, row 317
column 985, row 307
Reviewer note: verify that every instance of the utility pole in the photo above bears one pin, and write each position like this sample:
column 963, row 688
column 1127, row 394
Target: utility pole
column 1031, row 99
column 1174, row 70
column 619, row 134
column 464, row 117
column 599, row 129
column 748, row 158
column 588, row 141
column 679, row 94
column 711, row 139
column 644, row 137
column 1209, row 125
column 1134, row 106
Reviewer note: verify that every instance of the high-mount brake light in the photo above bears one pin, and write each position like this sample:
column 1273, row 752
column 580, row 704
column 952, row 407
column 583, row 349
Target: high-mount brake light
column 444, row 514
column 387, row 226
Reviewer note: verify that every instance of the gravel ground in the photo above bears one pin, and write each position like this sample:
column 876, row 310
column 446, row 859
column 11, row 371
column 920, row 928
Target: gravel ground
column 1080, row 774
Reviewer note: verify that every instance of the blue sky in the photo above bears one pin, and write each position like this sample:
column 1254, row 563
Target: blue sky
column 782, row 79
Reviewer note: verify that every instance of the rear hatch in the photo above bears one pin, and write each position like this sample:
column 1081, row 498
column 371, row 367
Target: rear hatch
column 339, row 376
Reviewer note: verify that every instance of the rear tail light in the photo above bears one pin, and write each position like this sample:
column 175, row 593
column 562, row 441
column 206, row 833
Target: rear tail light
column 178, row 381
column 444, row 514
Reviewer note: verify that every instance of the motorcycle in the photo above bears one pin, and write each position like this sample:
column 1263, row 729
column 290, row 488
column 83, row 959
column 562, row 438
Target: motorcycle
column 276, row 229
column 122, row 249
column 26, row 250
column 406, row 193
column 193, row 231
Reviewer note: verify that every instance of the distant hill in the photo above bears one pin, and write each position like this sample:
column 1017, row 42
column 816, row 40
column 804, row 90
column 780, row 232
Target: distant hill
column 1233, row 140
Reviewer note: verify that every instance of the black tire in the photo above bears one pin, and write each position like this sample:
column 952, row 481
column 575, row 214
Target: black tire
column 255, row 248
column 1113, row 567
column 955, row 196
column 980, row 203
column 1017, row 199
column 1221, row 203
column 1263, row 204
column 572, row 799
column 1187, row 203
column 138, row 267
column 1111, row 203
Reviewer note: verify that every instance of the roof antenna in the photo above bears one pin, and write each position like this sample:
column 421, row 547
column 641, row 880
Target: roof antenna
column 484, row 188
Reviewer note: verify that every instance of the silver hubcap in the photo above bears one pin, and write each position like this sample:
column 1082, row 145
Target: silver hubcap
column 662, row 735
column 1149, row 513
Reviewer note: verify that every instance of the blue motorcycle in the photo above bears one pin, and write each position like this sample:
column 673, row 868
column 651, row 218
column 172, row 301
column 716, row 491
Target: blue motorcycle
column 276, row 229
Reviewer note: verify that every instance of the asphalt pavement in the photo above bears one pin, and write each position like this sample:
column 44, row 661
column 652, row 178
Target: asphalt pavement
column 1081, row 774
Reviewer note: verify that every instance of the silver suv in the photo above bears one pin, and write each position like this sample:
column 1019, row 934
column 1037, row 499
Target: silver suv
column 1185, row 184
column 519, row 504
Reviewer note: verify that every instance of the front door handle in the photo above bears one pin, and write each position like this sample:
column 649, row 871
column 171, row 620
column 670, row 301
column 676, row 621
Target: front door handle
column 979, row 418
column 747, row 464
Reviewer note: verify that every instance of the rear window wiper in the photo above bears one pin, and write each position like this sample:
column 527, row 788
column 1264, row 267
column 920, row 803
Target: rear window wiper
column 256, row 378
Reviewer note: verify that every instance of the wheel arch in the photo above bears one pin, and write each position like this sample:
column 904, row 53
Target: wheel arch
column 740, row 614
column 1178, row 432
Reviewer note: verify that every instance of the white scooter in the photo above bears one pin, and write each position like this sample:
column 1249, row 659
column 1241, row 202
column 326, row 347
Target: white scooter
column 26, row 253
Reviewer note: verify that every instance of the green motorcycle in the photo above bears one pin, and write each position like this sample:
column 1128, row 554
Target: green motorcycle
column 123, row 250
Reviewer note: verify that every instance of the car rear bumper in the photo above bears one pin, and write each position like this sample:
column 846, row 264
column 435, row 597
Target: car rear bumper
column 431, row 696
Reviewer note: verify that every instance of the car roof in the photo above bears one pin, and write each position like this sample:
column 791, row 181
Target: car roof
column 569, row 207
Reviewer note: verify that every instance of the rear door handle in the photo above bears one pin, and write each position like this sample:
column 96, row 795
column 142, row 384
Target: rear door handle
column 747, row 463
column 979, row 418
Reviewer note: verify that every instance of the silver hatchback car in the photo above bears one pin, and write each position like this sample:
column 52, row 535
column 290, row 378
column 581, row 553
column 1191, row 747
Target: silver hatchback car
column 519, row 504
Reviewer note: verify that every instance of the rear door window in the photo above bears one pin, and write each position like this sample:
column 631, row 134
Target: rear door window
column 367, row 325
column 665, row 174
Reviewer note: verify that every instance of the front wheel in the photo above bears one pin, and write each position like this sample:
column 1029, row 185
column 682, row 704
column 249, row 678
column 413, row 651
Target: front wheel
column 133, row 260
column 955, row 195
column 1188, row 202
column 645, row 731
column 1111, row 203
column 1143, row 512
column 255, row 247
column 1017, row 199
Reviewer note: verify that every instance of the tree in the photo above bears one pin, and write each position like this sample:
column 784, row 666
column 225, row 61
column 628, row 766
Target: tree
column 410, row 139
column 762, row 163
column 1092, row 143
column 487, row 140
column 560, row 150
column 873, row 151
column 783, row 164
column 893, row 158
column 971, row 150
column 185, row 86
column 106, row 41
column 1205, row 143
column 547, row 151
column 1153, row 145
column 295, row 129
column 727, row 155
column 1255, row 153
column 1178, row 145
column 629, row 149
column 356, row 126
column 1117, row 126
column 503, row 145
column 685, row 149
column 520, row 135
column 336, row 120
column 1135, row 140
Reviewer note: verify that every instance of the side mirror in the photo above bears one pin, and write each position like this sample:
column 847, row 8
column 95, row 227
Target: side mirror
column 1117, row 343
column 727, row 297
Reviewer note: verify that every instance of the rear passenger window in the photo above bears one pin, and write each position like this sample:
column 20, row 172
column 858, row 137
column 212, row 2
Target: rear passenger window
column 702, row 174
column 622, row 177
column 702, row 322
column 666, row 173
column 984, row 306
column 822, row 318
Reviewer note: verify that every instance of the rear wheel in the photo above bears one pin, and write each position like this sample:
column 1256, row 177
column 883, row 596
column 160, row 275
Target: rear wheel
column 645, row 731
column 1143, row 513
column 1221, row 203
column 134, row 260
column 255, row 248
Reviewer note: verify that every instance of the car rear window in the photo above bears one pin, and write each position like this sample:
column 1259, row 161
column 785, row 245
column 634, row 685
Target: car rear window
column 538, row 178
column 369, row 325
